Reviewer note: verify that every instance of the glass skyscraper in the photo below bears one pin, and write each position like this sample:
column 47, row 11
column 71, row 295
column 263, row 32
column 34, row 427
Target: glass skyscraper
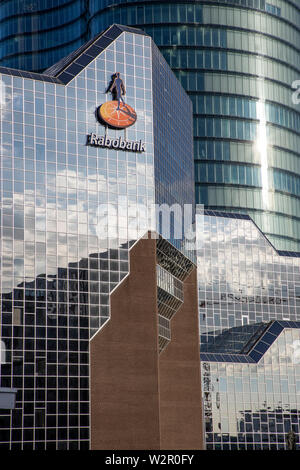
column 237, row 59
column 63, row 253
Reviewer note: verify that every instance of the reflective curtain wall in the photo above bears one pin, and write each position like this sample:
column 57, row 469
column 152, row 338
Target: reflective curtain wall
column 71, row 208
column 34, row 34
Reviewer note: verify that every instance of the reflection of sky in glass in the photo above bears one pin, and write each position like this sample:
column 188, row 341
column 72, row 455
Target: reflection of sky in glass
column 242, row 280
column 261, row 143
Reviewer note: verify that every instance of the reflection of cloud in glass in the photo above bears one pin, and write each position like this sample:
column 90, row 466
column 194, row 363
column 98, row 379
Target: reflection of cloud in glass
column 296, row 352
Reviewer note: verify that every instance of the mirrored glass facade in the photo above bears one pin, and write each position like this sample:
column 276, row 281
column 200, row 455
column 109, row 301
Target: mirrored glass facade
column 237, row 60
column 254, row 406
column 249, row 297
column 59, row 259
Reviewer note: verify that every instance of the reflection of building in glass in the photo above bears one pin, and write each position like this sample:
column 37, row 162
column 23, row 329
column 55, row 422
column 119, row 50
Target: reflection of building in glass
column 237, row 60
column 63, row 277
column 249, row 297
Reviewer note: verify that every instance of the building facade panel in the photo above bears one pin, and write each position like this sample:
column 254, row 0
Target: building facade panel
column 124, row 364
column 36, row 34
column 63, row 249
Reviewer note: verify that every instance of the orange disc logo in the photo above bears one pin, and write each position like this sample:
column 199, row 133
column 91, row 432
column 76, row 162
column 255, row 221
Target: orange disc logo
column 117, row 113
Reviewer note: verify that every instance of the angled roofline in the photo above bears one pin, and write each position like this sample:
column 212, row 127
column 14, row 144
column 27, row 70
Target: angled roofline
column 68, row 67
column 258, row 350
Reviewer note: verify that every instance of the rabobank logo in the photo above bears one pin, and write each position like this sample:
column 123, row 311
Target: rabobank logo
column 117, row 113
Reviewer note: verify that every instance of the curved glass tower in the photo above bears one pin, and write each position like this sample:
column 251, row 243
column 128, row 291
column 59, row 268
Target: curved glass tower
column 237, row 59
column 36, row 34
